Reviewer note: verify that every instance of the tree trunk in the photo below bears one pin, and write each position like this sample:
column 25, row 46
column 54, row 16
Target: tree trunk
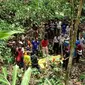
column 73, row 35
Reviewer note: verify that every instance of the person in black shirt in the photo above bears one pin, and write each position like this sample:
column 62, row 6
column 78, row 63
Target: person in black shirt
column 34, row 61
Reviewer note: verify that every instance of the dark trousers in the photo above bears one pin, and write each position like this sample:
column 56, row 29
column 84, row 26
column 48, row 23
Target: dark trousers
column 35, row 52
column 65, row 64
column 20, row 63
column 56, row 48
column 36, row 66
column 77, row 58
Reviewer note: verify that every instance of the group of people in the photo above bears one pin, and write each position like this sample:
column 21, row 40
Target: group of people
column 61, row 41
column 27, row 50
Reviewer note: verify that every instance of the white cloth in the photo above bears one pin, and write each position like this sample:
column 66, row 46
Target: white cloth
column 59, row 25
column 55, row 40
column 20, row 42
column 61, row 39
column 79, row 52
column 22, row 49
column 67, row 29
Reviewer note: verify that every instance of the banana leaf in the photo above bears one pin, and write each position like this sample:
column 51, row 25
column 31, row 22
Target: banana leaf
column 3, row 80
column 26, row 77
column 4, row 70
column 7, row 34
column 14, row 77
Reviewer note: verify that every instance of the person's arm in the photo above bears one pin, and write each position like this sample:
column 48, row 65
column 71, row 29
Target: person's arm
column 47, row 42
column 38, row 42
column 41, row 43
column 53, row 40
column 16, row 49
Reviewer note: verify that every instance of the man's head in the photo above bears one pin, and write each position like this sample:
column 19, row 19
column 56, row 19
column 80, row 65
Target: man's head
column 36, row 39
column 45, row 38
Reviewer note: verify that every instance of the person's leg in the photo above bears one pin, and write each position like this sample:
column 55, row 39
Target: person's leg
column 37, row 66
column 57, row 48
column 46, row 48
column 77, row 58
column 43, row 50
column 54, row 48
column 66, row 64
column 37, row 52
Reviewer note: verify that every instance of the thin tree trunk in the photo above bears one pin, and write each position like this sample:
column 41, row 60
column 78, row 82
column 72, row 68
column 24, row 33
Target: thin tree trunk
column 73, row 36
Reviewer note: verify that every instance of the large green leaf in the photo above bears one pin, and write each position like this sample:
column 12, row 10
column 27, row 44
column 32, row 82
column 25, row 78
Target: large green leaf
column 7, row 34
column 26, row 78
column 4, row 70
column 48, row 82
column 14, row 76
column 4, row 80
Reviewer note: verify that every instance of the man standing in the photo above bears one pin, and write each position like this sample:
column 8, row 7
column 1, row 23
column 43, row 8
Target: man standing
column 44, row 44
column 35, row 45
column 55, row 45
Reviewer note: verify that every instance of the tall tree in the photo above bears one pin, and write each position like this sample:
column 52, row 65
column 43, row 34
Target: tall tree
column 73, row 34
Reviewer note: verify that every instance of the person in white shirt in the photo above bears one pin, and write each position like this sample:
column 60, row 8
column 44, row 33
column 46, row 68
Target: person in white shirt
column 67, row 38
column 59, row 27
column 61, row 41
column 68, row 30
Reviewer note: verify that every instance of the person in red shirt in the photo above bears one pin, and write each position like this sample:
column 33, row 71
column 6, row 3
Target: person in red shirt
column 19, row 57
column 44, row 44
column 79, row 52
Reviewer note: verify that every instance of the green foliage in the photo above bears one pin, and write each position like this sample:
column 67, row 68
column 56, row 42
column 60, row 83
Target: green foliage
column 35, row 71
column 83, row 13
column 35, row 11
column 7, row 34
column 26, row 78
column 14, row 78
column 5, row 52
column 4, row 80
column 48, row 76
column 16, row 15
column 82, row 76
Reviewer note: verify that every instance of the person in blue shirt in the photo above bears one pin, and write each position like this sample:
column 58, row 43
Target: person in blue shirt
column 64, row 25
column 35, row 45
column 77, row 43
